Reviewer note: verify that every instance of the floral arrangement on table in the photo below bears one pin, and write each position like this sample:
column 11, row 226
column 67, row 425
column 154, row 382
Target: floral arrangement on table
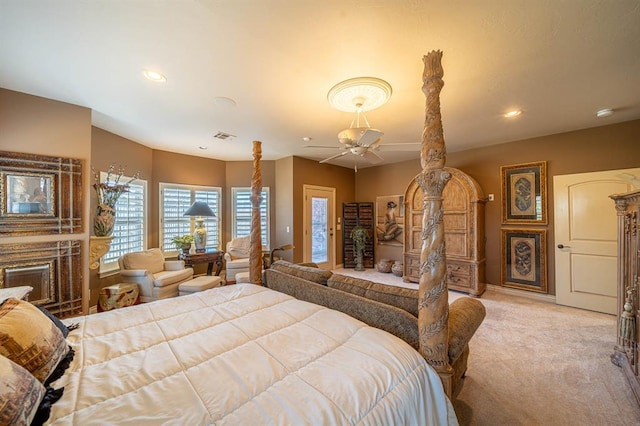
column 108, row 193
column 183, row 242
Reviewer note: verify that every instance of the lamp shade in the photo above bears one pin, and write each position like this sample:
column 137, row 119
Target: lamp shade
column 199, row 208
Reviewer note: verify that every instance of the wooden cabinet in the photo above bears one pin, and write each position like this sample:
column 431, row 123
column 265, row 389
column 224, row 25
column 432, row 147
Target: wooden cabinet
column 463, row 215
column 354, row 214
column 626, row 350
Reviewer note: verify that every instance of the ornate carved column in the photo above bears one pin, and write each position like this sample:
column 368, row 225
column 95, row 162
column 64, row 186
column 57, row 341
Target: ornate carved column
column 255, row 256
column 433, row 299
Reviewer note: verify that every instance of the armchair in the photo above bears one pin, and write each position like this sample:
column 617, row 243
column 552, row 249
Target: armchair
column 236, row 257
column 156, row 278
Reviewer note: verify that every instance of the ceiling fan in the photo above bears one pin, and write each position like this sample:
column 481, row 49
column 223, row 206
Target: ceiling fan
column 362, row 141
column 358, row 94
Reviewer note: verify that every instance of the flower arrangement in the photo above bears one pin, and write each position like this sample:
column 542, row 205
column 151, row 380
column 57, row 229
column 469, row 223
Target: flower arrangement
column 359, row 236
column 181, row 241
column 108, row 193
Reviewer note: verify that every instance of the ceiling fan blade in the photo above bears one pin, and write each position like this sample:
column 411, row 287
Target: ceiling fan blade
column 334, row 156
column 374, row 158
column 369, row 137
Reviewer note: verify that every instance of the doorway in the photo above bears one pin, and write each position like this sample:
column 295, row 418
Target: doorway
column 319, row 234
column 586, row 238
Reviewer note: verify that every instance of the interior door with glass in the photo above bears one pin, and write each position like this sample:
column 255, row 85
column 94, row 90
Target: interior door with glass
column 319, row 234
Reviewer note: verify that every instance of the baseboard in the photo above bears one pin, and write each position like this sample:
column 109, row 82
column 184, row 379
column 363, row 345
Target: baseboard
column 548, row 298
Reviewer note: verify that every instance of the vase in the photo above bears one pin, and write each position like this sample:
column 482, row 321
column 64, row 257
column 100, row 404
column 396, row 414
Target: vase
column 104, row 221
column 397, row 269
column 384, row 265
column 186, row 247
column 358, row 259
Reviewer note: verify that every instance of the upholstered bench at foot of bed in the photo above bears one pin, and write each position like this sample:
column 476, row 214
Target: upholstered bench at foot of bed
column 242, row 277
column 201, row 283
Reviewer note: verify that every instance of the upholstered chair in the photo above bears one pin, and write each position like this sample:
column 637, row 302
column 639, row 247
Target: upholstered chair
column 236, row 257
column 156, row 278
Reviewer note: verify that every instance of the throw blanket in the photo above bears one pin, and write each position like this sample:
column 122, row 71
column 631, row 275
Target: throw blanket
column 243, row 354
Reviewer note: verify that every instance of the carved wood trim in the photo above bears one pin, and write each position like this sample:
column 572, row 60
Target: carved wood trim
column 63, row 213
column 53, row 269
column 255, row 255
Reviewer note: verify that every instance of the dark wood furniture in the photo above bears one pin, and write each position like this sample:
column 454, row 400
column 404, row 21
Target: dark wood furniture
column 626, row 351
column 354, row 214
column 210, row 256
column 463, row 215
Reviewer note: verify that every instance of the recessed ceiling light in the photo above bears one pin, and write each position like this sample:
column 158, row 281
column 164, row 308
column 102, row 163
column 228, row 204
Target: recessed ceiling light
column 154, row 76
column 307, row 139
column 604, row 113
column 513, row 113
column 202, row 147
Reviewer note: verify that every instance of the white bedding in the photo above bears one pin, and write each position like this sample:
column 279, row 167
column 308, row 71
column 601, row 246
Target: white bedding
column 243, row 354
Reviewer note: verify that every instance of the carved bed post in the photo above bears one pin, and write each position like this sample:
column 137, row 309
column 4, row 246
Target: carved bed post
column 433, row 303
column 255, row 256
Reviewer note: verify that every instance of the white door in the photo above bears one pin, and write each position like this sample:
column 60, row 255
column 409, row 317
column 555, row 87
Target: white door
column 319, row 239
column 586, row 238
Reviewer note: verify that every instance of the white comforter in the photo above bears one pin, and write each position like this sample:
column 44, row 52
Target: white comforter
column 243, row 354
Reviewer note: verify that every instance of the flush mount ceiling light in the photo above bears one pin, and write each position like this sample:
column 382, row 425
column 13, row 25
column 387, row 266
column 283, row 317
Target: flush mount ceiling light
column 154, row 76
column 359, row 94
column 607, row 112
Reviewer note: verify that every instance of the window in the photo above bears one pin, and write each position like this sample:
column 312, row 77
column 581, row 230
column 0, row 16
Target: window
column 242, row 214
column 175, row 199
column 130, row 229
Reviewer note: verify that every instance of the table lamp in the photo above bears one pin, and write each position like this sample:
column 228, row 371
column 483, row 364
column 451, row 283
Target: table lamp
column 200, row 209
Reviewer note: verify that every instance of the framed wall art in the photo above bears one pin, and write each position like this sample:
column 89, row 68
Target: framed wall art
column 524, row 257
column 39, row 194
column 390, row 220
column 524, row 193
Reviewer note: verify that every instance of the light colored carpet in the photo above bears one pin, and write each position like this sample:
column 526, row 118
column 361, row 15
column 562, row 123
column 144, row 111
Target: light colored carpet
column 537, row 363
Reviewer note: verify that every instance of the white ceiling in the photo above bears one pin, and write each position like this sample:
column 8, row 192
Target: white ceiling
column 558, row 60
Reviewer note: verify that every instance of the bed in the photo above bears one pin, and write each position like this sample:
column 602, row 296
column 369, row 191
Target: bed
column 243, row 354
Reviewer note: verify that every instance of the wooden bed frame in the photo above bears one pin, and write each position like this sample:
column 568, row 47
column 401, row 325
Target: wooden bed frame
column 433, row 303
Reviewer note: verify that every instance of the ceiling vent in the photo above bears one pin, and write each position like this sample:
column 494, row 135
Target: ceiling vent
column 224, row 136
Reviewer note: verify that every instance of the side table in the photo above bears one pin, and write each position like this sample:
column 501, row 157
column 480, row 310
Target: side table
column 210, row 256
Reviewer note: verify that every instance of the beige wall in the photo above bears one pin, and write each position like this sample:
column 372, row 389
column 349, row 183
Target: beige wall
column 309, row 172
column 610, row 147
column 284, row 206
column 37, row 125
column 238, row 174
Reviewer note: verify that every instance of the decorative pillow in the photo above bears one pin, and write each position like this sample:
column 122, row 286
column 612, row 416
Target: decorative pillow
column 61, row 326
column 308, row 273
column 151, row 260
column 239, row 248
column 30, row 339
column 20, row 394
column 400, row 297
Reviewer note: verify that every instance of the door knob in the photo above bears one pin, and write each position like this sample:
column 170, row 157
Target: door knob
column 561, row 246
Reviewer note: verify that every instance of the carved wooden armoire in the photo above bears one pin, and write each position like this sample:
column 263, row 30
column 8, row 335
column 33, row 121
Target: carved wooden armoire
column 626, row 350
column 463, row 209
